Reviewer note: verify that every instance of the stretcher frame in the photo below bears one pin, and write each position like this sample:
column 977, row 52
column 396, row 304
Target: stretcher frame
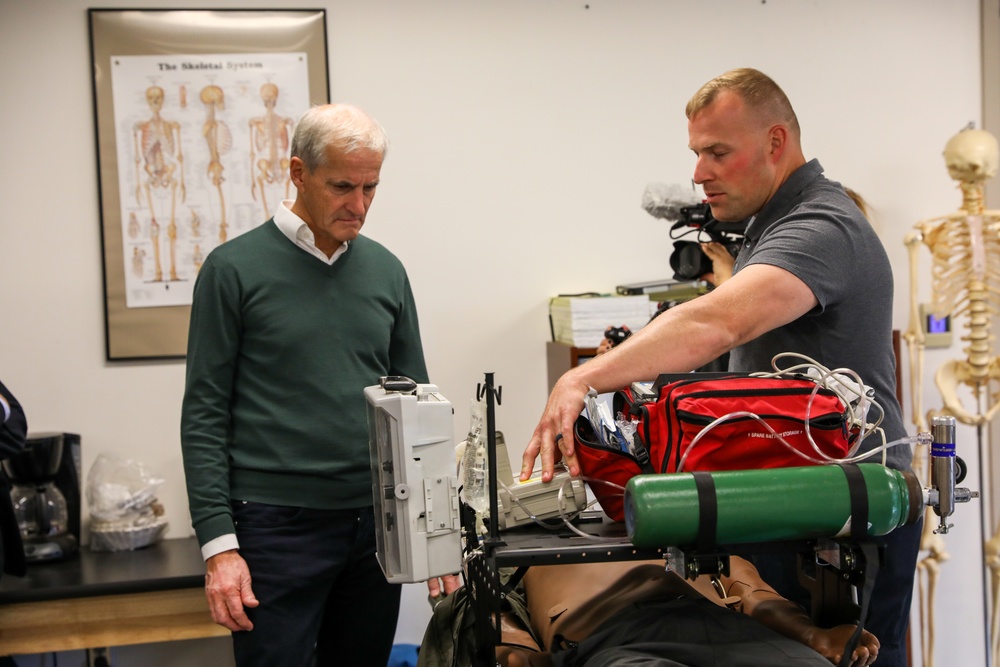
column 832, row 570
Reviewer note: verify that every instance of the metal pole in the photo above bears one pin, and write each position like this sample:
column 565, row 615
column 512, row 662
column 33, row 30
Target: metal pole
column 491, row 457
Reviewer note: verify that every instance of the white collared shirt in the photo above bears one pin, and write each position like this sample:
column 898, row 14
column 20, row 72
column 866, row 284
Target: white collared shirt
column 298, row 232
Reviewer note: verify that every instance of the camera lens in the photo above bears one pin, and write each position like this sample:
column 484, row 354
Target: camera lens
column 688, row 261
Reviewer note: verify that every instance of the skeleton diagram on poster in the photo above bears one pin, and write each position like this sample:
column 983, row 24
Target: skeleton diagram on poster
column 202, row 148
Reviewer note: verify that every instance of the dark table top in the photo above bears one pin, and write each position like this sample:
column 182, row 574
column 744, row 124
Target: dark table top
column 166, row 565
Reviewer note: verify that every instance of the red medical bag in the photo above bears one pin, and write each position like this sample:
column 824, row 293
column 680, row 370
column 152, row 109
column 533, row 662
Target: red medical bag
column 681, row 406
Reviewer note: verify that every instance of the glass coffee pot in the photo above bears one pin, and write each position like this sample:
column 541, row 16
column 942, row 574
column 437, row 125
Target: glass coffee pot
column 39, row 506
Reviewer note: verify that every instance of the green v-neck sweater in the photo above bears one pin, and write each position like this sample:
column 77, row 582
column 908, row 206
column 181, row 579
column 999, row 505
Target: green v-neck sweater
column 280, row 349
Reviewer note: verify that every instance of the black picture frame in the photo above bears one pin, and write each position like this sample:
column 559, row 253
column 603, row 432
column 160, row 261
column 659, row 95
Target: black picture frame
column 160, row 332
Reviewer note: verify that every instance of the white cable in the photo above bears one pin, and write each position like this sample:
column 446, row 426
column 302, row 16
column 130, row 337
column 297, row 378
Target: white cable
column 735, row 415
column 836, row 382
column 568, row 517
column 914, row 439
column 534, row 517
column 562, row 508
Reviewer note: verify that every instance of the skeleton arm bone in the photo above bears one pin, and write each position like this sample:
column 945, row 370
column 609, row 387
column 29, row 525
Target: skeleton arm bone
column 253, row 158
column 991, row 552
column 176, row 128
column 137, row 140
column 914, row 336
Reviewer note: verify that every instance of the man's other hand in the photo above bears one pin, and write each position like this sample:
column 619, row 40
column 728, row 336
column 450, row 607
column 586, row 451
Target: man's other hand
column 227, row 587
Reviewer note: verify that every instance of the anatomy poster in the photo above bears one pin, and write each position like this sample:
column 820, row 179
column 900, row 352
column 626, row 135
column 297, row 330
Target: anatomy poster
column 202, row 145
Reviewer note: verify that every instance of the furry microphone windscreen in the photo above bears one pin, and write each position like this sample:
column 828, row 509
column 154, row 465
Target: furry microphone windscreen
column 662, row 200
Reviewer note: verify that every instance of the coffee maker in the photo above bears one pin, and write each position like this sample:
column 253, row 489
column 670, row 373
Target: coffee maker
column 46, row 495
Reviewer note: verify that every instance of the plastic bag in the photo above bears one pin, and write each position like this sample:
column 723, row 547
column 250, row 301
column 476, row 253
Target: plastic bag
column 124, row 512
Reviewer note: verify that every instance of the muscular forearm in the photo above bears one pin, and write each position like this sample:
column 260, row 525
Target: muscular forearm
column 756, row 300
column 660, row 347
column 688, row 336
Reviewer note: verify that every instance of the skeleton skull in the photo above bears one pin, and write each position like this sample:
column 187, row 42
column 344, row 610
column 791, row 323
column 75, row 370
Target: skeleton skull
column 213, row 95
column 972, row 156
column 269, row 94
column 154, row 97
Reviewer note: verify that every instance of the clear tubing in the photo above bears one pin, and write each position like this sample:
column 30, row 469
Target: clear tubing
column 921, row 438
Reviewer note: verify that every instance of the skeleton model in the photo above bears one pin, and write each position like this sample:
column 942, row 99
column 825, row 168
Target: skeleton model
column 269, row 137
column 965, row 284
column 158, row 153
column 219, row 141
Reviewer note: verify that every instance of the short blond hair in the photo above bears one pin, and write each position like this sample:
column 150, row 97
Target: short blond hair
column 758, row 91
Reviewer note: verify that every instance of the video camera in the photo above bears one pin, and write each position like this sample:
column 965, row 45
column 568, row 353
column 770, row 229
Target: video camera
column 688, row 260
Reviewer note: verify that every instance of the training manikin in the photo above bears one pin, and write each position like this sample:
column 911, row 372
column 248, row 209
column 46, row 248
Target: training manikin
column 965, row 286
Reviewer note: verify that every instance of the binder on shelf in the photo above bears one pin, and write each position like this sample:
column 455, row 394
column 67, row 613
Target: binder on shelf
column 663, row 287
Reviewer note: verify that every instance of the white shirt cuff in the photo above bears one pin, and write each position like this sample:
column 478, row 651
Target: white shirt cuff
column 220, row 544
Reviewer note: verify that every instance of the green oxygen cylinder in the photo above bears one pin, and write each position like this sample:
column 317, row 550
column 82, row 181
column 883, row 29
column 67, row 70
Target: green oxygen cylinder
column 766, row 505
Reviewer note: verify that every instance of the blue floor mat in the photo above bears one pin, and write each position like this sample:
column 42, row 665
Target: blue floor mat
column 403, row 655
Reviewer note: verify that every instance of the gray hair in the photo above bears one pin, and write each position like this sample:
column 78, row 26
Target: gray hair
column 343, row 126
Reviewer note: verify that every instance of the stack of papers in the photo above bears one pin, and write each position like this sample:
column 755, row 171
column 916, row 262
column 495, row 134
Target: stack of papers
column 582, row 321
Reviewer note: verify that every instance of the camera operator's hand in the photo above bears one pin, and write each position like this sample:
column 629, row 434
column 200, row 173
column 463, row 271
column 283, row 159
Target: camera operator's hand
column 612, row 337
column 722, row 261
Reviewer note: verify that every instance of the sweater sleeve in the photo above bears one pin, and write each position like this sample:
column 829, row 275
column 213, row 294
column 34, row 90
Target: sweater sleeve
column 213, row 346
column 406, row 353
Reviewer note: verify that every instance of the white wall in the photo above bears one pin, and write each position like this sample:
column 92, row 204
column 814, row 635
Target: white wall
column 524, row 134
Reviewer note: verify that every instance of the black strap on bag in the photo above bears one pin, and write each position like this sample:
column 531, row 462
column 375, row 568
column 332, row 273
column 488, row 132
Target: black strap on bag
column 858, row 490
column 708, row 511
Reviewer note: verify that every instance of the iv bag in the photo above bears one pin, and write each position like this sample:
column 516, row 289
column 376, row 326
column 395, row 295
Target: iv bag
column 474, row 486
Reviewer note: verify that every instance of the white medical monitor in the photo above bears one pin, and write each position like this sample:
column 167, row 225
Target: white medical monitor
column 414, row 480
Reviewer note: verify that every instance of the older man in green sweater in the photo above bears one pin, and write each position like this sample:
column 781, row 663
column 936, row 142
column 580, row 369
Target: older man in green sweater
column 290, row 321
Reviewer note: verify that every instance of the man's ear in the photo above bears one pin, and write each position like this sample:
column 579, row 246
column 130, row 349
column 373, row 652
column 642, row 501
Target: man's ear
column 778, row 136
column 297, row 170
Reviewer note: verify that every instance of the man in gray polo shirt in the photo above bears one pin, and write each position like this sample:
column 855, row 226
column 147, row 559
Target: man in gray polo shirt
column 812, row 278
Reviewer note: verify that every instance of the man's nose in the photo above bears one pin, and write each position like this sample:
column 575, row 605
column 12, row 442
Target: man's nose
column 356, row 201
column 700, row 172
